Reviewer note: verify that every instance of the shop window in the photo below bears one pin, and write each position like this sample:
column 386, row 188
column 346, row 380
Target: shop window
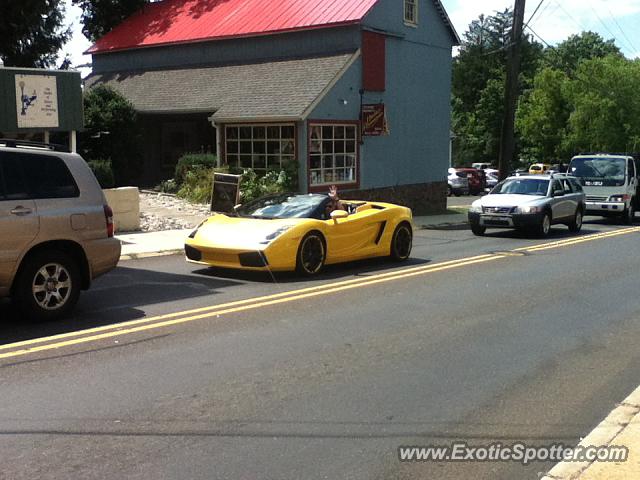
column 333, row 154
column 260, row 147
column 411, row 12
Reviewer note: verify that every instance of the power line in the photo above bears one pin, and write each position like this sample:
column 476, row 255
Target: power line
column 533, row 14
column 633, row 47
column 603, row 24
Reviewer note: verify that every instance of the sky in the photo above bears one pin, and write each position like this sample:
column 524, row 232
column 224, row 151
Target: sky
column 554, row 21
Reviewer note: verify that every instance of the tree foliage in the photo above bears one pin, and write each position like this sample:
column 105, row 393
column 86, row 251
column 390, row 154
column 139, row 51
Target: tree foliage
column 568, row 55
column 32, row 32
column 100, row 16
column 111, row 133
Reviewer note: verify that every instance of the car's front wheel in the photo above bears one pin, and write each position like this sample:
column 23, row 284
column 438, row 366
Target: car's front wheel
column 478, row 230
column 312, row 254
column 576, row 225
column 47, row 287
column 545, row 225
column 402, row 242
column 629, row 214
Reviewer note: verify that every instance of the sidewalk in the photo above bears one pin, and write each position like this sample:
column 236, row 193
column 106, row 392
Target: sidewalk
column 621, row 428
column 455, row 218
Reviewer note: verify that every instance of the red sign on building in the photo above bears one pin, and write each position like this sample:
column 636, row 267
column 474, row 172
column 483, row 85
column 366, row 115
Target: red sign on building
column 374, row 120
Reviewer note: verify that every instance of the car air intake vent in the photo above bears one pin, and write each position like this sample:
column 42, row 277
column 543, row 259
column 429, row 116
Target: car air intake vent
column 591, row 198
column 498, row 209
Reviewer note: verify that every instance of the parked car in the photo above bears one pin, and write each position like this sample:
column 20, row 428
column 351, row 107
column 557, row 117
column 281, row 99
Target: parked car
column 57, row 229
column 477, row 180
column 492, row 177
column 539, row 168
column 458, row 183
column 530, row 203
column 481, row 165
column 290, row 232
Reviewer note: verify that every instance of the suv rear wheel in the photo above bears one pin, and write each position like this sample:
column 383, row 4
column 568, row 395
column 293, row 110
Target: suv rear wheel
column 576, row 225
column 48, row 286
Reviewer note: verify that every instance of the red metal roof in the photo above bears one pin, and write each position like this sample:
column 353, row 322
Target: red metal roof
column 181, row 21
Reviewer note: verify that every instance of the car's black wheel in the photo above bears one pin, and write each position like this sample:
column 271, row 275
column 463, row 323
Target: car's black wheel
column 576, row 225
column 478, row 230
column 402, row 242
column 629, row 215
column 47, row 287
column 312, row 254
column 449, row 190
column 545, row 225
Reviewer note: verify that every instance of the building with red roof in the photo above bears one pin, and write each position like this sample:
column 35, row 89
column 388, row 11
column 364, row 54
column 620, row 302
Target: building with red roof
column 348, row 92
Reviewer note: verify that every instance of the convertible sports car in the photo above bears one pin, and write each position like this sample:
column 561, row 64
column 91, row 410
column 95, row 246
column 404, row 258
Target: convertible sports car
column 286, row 232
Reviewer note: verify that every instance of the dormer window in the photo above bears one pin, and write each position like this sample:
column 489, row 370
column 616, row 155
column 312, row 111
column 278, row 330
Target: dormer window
column 411, row 12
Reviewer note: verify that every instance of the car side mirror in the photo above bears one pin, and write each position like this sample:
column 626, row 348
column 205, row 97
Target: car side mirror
column 337, row 214
column 558, row 193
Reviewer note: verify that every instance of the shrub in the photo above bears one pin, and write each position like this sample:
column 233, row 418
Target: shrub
column 103, row 170
column 254, row 186
column 192, row 161
column 196, row 185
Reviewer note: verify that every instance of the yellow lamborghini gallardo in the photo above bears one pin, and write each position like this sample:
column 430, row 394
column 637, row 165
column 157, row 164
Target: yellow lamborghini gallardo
column 287, row 232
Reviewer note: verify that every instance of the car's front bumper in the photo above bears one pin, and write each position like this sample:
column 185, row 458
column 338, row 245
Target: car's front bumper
column 600, row 208
column 505, row 220
column 257, row 260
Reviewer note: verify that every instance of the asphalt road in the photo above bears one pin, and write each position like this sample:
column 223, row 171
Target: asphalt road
column 496, row 339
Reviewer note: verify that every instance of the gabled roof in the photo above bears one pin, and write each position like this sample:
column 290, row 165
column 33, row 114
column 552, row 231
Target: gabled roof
column 182, row 21
column 185, row 21
column 282, row 90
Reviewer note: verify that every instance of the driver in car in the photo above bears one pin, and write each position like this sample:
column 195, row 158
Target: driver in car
column 334, row 201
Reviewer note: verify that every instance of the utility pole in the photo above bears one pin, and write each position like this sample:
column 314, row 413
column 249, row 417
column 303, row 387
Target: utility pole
column 507, row 140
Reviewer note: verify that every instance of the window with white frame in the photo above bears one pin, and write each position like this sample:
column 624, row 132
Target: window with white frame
column 411, row 11
column 260, row 147
column 333, row 154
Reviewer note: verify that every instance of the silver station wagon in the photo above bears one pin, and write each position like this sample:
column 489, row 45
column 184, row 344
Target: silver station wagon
column 531, row 203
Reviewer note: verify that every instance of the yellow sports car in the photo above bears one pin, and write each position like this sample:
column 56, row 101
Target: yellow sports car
column 286, row 232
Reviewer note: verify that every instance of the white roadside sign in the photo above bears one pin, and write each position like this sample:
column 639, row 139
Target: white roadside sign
column 37, row 101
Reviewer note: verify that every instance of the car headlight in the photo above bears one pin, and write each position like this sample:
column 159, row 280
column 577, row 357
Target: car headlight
column 275, row 234
column 475, row 208
column 527, row 210
column 618, row 198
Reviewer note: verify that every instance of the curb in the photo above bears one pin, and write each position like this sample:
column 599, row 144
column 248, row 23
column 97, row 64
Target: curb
column 446, row 226
column 161, row 253
column 604, row 434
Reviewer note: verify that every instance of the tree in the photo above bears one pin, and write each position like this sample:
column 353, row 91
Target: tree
column 32, row 32
column 543, row 115
column 606, row 106
column 111, row 133
column 568, row 55
column 477, row 71
column 100, row 16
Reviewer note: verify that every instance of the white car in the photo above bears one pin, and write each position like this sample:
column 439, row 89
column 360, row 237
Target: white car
column 530, row 203
column 458, row 183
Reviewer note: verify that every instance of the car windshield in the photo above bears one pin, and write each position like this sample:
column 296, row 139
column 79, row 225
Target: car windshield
column 522, row 186
column 282, row 206
column 599, row 172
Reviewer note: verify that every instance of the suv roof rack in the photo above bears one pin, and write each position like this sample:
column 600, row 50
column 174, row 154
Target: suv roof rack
column 13, row 143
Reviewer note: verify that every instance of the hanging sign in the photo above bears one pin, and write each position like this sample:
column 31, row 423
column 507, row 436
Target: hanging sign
column 374, row 120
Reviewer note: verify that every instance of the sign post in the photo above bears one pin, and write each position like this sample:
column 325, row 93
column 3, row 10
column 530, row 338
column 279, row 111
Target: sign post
column 226, row 192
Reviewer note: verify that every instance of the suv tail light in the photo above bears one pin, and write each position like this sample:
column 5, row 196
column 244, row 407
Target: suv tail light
column 108, row 216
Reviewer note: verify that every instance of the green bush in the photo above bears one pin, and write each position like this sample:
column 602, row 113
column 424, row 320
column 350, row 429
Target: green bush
column 196, row 185
column 191, row 161
column 255, row 186
column 103, row 170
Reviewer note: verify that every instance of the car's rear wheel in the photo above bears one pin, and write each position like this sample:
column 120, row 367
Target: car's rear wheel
column 478, row 230
column 402, row 242
column 576, row 225
column 47, row 287
column 545, row 225
column 312, row 254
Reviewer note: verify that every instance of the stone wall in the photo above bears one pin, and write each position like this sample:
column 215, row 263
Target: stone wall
column 422, row 198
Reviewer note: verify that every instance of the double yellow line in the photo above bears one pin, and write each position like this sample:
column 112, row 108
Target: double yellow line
column 135, row 326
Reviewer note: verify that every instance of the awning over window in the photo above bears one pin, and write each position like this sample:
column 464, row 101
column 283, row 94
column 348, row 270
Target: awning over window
column 278, row 90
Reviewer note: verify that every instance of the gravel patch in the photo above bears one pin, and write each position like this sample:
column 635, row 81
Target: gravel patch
column 161, row 211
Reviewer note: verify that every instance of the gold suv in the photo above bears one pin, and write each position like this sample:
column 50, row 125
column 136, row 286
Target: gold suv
column 56, row 229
